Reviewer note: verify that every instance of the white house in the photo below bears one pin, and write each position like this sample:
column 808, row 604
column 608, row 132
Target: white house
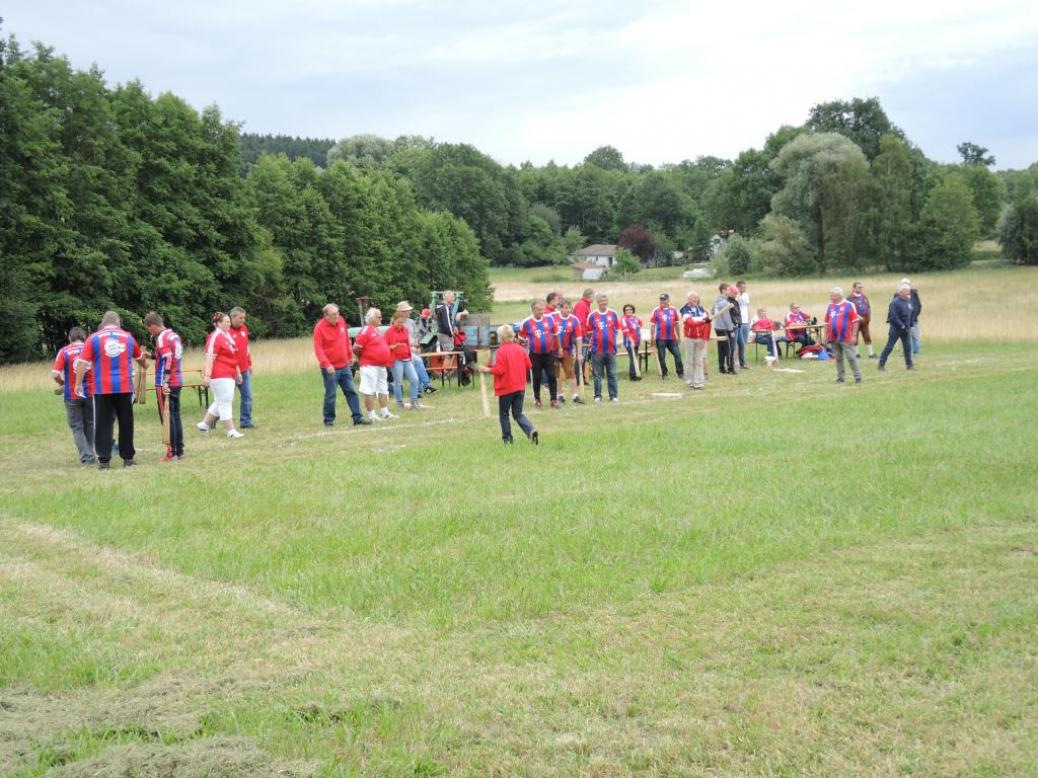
column 600, row 254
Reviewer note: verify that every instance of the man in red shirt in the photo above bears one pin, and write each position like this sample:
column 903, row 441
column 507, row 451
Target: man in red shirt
column 334, row 355
column 79, row 410
column 375, row 359
column 582, row 310
column 108, row 356
column 511, row 364
column 240, row 334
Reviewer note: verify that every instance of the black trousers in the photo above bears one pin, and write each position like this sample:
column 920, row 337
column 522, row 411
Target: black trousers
column 545, row 362
column 176, row 427
column 122, row 407
column 725, row 350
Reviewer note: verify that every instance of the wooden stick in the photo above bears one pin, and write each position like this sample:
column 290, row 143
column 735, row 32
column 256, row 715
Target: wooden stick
column 634, row 359
column 483, row 394
column 659, row 364
column 164, row 413
column 140, row 383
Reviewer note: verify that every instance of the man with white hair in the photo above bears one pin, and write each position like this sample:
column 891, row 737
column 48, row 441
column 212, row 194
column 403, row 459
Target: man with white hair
column 602, row 327
column 917, row 308
column 696, row 321
column 375, row 358
column 841, row 333
column 899, row 317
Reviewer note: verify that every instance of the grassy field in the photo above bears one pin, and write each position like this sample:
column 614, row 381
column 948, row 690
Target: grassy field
column 777, row 576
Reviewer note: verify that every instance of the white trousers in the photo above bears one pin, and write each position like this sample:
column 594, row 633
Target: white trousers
column 223, row 392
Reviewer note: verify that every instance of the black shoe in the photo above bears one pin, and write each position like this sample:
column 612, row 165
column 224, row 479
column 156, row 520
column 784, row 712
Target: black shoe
column 247, row 426
column 637, row 378
column 506, row 441
column 104, row 466
column 129, row 463
column 857, row 380
column 430, row 389
column 578, row 401
column 910, row 367
column 534, row 438
column 881, row 367
column 363, row 422
column 838, row 381
column 330, row 424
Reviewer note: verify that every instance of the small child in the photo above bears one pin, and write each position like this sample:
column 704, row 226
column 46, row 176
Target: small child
column 510, row 367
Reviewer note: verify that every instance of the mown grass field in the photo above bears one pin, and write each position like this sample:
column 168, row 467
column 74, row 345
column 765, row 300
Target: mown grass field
column 777, row 576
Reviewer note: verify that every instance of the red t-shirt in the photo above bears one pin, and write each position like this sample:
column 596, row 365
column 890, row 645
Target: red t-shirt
column 241, row 342
column 220, row 345
column 332, row 344
column 399, row 341
column 582, row 309
column 763, row 325
column 374, row 350
column 510, row 366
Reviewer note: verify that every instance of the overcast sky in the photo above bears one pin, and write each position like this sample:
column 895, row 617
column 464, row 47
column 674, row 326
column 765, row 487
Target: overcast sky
column 661, row 81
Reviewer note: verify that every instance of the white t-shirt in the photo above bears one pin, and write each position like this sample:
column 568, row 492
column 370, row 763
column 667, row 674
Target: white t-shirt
column 744, row 306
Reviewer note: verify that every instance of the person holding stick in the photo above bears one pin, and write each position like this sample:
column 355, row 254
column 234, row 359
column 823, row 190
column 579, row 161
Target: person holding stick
column 861, row 303
column 696, row 322
column 666, row 333
column 221, row 373
column 511, row 364
column 841, row 333
column 169, row 350
column 540, row 334
column 79, row 406
column 721, row 314
column 571, row 334
column 108, row 356
column 603, row 326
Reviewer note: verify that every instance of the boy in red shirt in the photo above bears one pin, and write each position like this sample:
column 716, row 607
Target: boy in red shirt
column 509, row 370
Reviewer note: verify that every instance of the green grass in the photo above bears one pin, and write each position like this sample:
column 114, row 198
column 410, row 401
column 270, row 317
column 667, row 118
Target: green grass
column 776, row 576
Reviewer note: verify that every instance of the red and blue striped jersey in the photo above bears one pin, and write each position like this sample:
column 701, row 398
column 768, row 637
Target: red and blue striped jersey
column 539, row 334
column 63, row 364
column 841, row 317
column 603, row 328
column 168, row 353
column 632, row 329
column 665, row 322
column 110, row 353
column 569, row 331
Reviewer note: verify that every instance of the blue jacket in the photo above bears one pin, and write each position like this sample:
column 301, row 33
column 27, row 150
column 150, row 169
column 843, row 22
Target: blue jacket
column 900, row 314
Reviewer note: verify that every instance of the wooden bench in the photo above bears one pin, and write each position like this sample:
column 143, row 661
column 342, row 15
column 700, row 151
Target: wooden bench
column 197, row 385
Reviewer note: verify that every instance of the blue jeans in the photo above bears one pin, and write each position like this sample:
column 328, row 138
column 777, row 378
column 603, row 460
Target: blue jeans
column 662, row 347
column 405, row 368
column 245, row 387
column 607, row 363
column 896, row 334
column 421, row 372
column 341, row 378
column 742, row 338
column 512, row 403
column 917, row 341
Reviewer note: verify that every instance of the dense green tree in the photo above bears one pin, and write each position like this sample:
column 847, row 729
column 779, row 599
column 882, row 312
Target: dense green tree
column 586, row 199
column 653, row 199
column 863, row 121
column 1018, row 226
column 988, row 192
column 254, row 145
column 607, row 158
column 784, row 248
column 972, row 154
column 363, row 150
column 825, row 180
column 892, row 173
column 947, row 229
column 737, row 254
column 626, row 263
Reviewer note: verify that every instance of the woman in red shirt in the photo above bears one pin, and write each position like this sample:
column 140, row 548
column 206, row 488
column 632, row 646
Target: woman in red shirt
column 398, row 338
column 221, row 373
column 510, row 367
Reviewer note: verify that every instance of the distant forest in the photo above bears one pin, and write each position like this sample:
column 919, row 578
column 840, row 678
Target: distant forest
column 111, row 197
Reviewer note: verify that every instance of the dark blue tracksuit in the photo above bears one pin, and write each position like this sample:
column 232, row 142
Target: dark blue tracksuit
column 899, row 317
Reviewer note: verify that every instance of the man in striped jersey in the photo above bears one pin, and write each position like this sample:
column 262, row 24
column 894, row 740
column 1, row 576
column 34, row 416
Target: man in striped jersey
column 603, row 325
column 571, row 335
column 107, row 357
column 540, row 334
column 169, row 350
column 666, row 331
column 79, row 409
column 841, row 333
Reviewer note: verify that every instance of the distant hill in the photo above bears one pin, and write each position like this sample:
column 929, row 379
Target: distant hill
column 253, row 145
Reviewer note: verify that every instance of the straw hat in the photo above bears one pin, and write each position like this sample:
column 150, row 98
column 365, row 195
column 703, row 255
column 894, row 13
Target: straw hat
column 403, row 307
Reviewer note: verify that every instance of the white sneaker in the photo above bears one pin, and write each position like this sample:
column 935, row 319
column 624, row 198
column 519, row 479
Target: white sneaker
column 203, row 427
column 614, row 399
column 387, row 415
column 598, row 399
column 235, row 434
column 376, row 417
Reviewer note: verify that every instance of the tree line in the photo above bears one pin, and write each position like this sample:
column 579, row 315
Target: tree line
column 112, row 198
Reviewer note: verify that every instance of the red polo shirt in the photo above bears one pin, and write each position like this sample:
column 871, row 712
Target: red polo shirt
column 332, row 344
column 509, row 369
column 241, row 342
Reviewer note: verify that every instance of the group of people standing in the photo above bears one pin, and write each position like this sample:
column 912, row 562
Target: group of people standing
column 96, row 376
